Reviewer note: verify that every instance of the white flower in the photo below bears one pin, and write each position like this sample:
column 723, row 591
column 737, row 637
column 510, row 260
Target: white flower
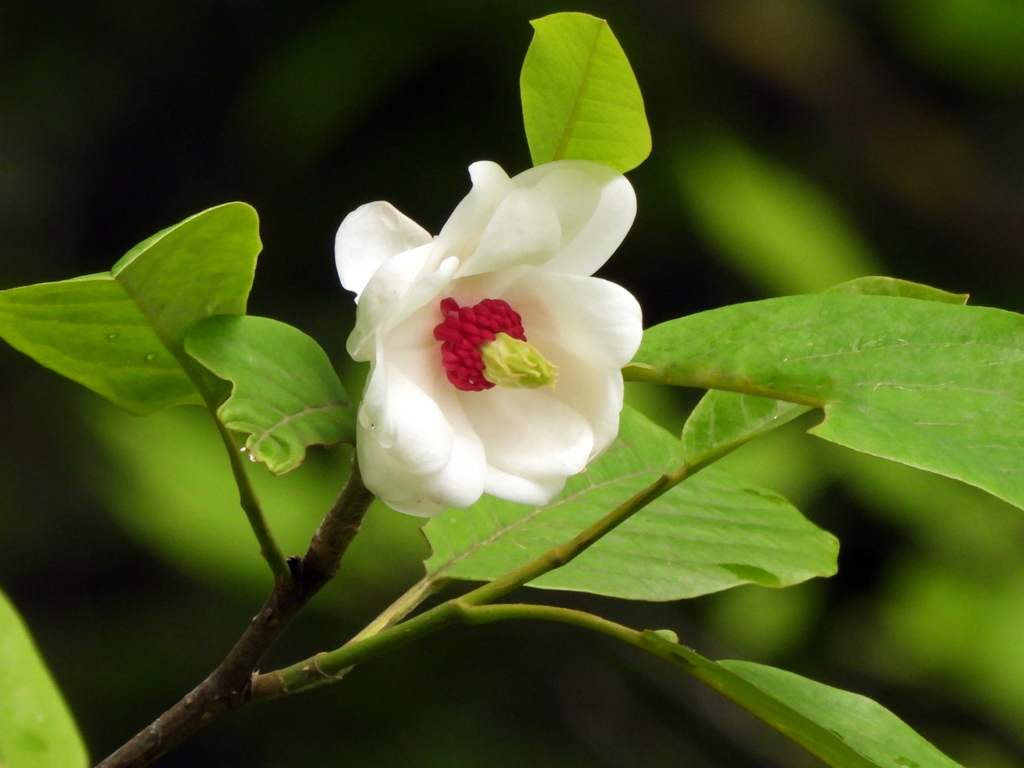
column 432, row 434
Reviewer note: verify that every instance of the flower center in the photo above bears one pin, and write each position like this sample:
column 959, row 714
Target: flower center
column 516, row 364
column 485, row 345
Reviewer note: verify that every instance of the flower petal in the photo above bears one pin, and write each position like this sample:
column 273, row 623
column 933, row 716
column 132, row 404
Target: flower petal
column 588, row 327
column 523, row 230
column 597, row 320
column 460, row 483
column 522, row 490
column 595, row 393
column 424, row 453
column 406, row 421
column 368, row 237
column 397, row 289
column 422, row 294
column 595, row 205
column 529, row 433
column 396, row 486
column 456, row 485
column 461, row 233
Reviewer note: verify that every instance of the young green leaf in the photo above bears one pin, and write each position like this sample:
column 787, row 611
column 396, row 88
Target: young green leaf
column 710, row 533
column 120, row 334
column 286, row 395
column 200, row 267
column 36, row 729
column 933, row 385
column 580, row 98
column 844, row 729
column 90, row 331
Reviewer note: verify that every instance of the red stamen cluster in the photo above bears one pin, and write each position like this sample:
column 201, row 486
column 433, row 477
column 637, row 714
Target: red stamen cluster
column 463, row 331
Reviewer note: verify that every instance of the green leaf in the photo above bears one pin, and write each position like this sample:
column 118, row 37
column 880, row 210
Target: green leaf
column 120, row 334
column 36, row 729
column 580, row 98
column 90, row 331
column 775, row 227
column 844, row 729
column 286, row 395
column 710, row 533
column 200, row 267
column 864, row 725
column 933, row 385
column 723, row 421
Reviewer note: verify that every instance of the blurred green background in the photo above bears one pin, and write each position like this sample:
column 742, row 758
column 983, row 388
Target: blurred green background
column 798, row 143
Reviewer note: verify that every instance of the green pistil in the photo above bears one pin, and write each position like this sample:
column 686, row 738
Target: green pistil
column 516, row 364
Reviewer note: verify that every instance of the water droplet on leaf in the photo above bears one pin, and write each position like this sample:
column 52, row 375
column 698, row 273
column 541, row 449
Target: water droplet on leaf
column 112, row 336
column 150, row 356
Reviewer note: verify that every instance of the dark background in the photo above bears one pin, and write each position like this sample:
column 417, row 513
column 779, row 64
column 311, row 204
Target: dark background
column 797, row 143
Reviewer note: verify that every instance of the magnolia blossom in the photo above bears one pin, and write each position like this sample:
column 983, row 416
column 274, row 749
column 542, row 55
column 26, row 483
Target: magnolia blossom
column 495, row 356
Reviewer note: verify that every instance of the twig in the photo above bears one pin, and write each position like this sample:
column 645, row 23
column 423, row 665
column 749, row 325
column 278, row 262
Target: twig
column 233, row 683
column 229, row 685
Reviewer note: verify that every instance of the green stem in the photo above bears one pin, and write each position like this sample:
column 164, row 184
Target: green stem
column 393, row 614
column 664, row 645
column 810, row 735
column 247, row 498
column 251, row 506
column 401, row 608
column 656, row 643
column 330, row 666
column 807, row 733
column 485, row 614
